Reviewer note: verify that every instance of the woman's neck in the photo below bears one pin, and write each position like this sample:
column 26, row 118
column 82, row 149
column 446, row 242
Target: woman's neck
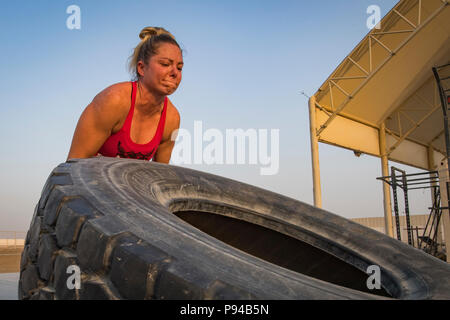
column 147, row 102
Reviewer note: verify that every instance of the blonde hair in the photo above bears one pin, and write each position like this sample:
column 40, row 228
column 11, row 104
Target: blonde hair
column 151, row 38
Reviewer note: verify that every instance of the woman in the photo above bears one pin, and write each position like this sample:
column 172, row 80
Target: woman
column 135, row 120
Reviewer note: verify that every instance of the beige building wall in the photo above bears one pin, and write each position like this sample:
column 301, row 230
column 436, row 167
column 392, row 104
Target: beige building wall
column 420, row 221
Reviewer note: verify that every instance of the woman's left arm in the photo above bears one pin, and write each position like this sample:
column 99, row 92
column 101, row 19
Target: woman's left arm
column 164, row 151
column 165, row 148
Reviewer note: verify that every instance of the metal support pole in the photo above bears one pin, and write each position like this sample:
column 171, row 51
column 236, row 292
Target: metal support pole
column 394, row 192
column 408, row 220
column 388, row 228
column 434, row 192
column 445, row 216
column 314, row 153
column 417, row 237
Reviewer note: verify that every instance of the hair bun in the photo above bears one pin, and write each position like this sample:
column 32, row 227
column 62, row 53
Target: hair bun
column 148, row 32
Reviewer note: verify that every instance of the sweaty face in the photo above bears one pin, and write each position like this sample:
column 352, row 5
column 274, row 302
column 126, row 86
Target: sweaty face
column 162, row 73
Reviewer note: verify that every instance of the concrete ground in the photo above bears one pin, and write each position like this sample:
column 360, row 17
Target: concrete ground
column 9, row 286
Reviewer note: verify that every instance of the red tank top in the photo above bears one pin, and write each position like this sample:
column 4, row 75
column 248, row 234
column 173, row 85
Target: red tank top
column 119, row 144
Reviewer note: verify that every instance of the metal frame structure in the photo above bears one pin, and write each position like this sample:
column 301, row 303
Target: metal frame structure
column 368, row 74
column 424, row 180
column 392, row 126
column 430, row 232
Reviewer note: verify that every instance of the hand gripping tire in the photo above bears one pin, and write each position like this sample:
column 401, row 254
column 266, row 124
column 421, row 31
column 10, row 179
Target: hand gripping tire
column 140, row 230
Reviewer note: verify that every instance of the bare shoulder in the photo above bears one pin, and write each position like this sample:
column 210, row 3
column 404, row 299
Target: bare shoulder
column 115, row 96
column 111, row 105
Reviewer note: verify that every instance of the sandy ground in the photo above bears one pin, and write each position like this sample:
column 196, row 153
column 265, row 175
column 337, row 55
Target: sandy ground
column 10, row 259
column 9, row 272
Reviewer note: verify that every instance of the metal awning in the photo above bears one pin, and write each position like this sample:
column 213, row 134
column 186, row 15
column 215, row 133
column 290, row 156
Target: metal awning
column 388, row 78
column 383, row 99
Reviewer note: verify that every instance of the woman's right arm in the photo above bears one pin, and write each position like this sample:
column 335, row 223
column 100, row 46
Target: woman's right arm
column 96, row 123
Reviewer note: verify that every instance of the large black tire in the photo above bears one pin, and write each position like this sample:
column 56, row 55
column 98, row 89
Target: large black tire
column 140, row 230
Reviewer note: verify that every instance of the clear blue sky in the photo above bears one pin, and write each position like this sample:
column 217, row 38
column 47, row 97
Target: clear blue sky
column 245, row 65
